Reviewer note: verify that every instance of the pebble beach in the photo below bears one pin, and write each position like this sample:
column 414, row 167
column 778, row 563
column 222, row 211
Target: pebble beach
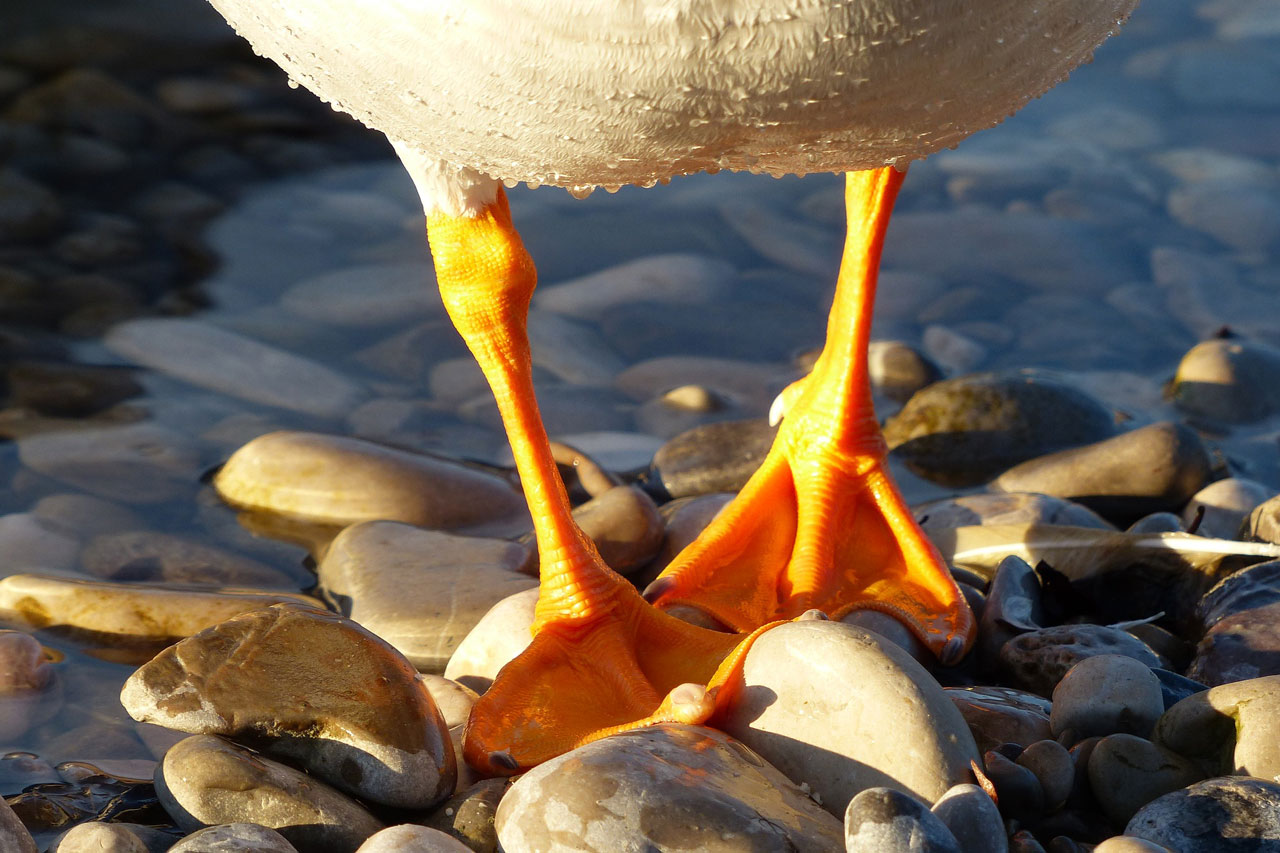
column 262, row 545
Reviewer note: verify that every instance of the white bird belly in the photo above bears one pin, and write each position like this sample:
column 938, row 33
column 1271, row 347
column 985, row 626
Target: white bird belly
column 584, row 93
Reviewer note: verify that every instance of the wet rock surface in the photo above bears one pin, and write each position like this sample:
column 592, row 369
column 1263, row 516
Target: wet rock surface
column 356, row 715
column 642, row 788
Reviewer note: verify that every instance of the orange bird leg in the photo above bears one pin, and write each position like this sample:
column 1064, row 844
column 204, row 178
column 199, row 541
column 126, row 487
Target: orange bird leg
column 602, row 659
column 821, row 524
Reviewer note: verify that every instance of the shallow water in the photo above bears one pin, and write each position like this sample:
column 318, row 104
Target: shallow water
column 1102, row 231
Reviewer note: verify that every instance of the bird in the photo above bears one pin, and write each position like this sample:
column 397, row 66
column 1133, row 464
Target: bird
column 479, row 95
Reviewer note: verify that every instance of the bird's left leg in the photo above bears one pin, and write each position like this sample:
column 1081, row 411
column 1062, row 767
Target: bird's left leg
column 601, row 659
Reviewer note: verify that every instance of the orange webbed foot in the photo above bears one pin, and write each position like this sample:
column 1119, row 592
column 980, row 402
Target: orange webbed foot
column 625, row 666
column 821, row 524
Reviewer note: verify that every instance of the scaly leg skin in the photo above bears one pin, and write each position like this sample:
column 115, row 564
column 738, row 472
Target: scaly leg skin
column 821, row 524
column 602, row 659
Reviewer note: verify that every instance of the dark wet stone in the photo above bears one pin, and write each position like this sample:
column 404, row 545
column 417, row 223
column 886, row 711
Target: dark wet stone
column 1229, row 381
column 1222, row 815
column 206, row 781
column 1153, row 468
column 234, row 838
column 1023, row 841
column 1263, row 524
column 998, row 715
column 104, row 241
column 964, row 431
column 1018, row 790
column 1012, row 608
column 665, row 787
column 91, row 102
column 70, row 390
column 1245, row 644
column 1056, row 771
column 1126, row 772
column 161, row 557
column 972, row 816
column 1038, row 660
column 1174, row 687
column 14, row 836
column 310, row 686
column 468, row 815
column 28, row 211
column 1004, row 509
column 718, row 457
column 1255, row 586
column 1157, row 522
column 883, row 820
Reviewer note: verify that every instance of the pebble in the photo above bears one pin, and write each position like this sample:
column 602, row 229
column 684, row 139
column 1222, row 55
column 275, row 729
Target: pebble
column 964, row 431
column 972, row 817
column 28, row 210
column 337, row 480
column 128, row 611
column 1214, row 816
column 138, row 463
column 885, row 820
column 407, row 838
column 420, row 590
column 1012, row 608
column 366, row 296
column 999, row 715
column 1244, row 218
column 841, row 709
column 30, row 541
column 163, row 558
column 1106, row 694
column 1239, row 646
column 454, row 700
column 1255, row 586
column 1054, row 769
column 663, row 787
column 370, row 726
column 1038, row 660
column 95, row 837
column 898, row 370
column 1128, row 844
column 718, row 457
column 221, row 360
column 1263, row 523
column 673, row 279
column 234, row 838
column 14, row 837
column 89, row 101
column 1157, row 522
column 1018, row 790
column 998, row 509
column 1041, row 251
column 1240, row 718
column 1227, row 503
column 1228, row 381
column 571, row 350
column 625, row 526
column 25, row 672
column 500, row 635
column 955, row 352
column 206, row 781
column 1126, row 772
column 468, row 816
column 1149, row 469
